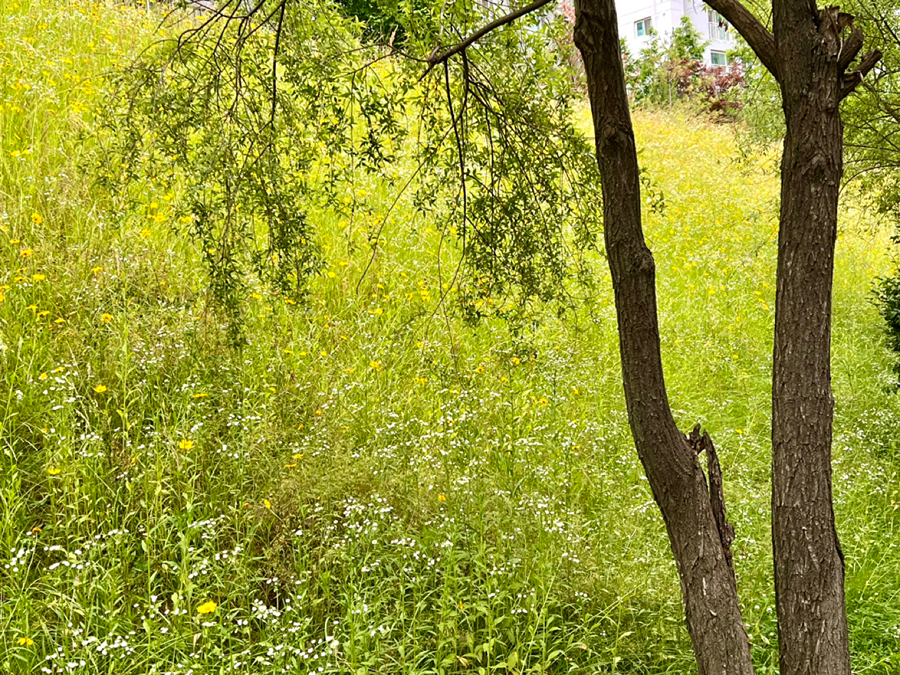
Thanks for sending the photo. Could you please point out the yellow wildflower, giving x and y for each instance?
(37, 218)
(267, 503)
(106, 318)
(54, 471)
(26, 641)
(27, 252)
(207, 607)
(100, 388)
(442, 498)
(186, 444)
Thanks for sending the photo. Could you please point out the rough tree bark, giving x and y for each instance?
(808, 55)
(679, 486)
(809, 565)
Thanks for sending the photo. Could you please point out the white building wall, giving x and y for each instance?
(665, 15)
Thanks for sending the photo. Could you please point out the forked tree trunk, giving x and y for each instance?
(809, 565)
(809, 55)
(670, 462)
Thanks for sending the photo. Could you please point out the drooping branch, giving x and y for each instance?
(481, 32)
(761, 41)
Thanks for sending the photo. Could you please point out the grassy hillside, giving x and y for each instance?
(370, 485)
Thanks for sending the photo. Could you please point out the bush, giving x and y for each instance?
(887, 298)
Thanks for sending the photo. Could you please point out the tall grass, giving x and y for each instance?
(368, 485)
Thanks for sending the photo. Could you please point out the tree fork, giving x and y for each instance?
(673, 470)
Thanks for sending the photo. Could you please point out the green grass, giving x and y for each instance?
(366, 486)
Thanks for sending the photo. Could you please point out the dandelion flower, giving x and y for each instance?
(26, 641)
(207, 607)
(100, 388)
(186, 444)
(106, 318)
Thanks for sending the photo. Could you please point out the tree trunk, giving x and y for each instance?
(671, 464)
(809, 565)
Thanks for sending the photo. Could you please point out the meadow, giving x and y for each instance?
(370, 484)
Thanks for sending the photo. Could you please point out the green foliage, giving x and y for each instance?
(887, 296)
(686, 43)
(381, 19)
(761, 98)
(259, 119)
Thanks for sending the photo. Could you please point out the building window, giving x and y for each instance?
(718, 58)
(642, 27)
(719, 28)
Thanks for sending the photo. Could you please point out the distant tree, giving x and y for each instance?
(671, 67)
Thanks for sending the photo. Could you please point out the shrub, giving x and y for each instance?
(887, 298)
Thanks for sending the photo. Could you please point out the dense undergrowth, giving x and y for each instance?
(369, 484)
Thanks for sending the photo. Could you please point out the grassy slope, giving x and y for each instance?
(365, 488)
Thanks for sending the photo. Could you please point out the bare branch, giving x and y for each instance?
(850, 48)
(700, 442)
(851, 80)
(480, 33)
(761, 41)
